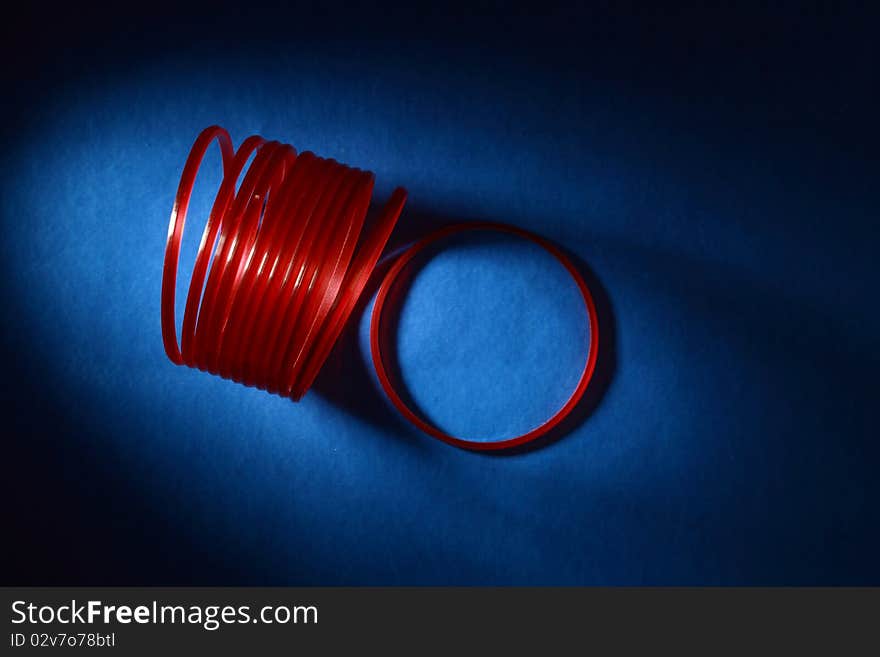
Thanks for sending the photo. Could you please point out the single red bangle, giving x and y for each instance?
(385, 380)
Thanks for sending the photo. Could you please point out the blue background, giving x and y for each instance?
(713, 172)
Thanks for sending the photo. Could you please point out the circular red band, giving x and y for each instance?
(394, 396)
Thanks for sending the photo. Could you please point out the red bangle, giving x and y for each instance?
(394, 396)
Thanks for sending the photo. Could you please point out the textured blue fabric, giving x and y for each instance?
(714, 176)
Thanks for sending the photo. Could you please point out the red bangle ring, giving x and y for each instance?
(395, 397)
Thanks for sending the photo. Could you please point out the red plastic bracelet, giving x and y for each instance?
(394, 396)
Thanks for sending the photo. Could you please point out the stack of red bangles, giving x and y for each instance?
(282, 263)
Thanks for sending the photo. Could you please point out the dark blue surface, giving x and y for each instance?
(714, 173)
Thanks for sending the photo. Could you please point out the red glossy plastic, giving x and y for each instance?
(395, 397)
(282, 263)
(285, 272)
